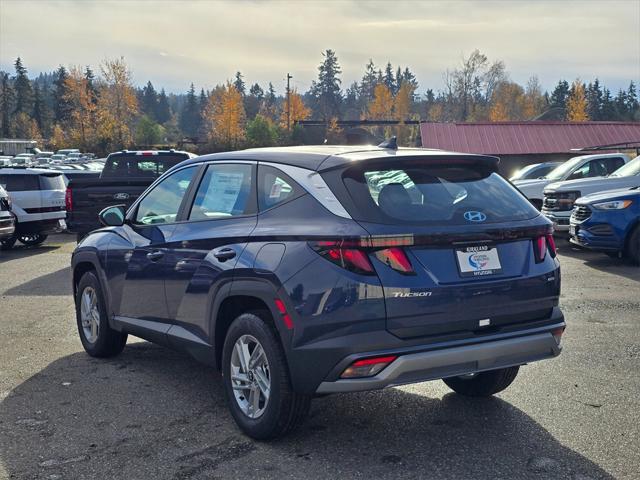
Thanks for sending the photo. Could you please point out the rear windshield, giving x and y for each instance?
(52, 182)
(434, 195)
(140, 166)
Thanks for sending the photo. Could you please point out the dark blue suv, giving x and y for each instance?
(305, 271)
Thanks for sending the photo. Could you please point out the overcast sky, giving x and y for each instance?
(173, 43)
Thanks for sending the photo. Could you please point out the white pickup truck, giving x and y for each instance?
(584, 166)
(559, 197)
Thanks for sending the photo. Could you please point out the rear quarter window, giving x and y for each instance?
(418, 194)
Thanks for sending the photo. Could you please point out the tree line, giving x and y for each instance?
(74, 107)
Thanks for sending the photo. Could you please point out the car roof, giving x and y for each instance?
(600, 155)
(26, 171)
(325, 157)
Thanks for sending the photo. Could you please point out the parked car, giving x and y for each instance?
(303, 271)
(124, 177)
(37, 201)
(57, 159)
(6, 161)
(24, 159)
(74, 157)
(584, 166)
(7, 220)
(609, 222)
(67, 151)
(43, 155)
(559, 197)
(534, 171)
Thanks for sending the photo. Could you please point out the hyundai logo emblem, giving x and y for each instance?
(472, 216)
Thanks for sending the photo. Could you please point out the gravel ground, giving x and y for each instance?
(155, 413)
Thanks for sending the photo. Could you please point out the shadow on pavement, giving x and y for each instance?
(154, 413)
(54, 283)
(601, 261)
(20, 251)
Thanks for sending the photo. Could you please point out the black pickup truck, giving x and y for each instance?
(125, 176)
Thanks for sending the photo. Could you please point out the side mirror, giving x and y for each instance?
(112, 216)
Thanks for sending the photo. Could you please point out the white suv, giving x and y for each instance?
(37, 202)
(584, 166)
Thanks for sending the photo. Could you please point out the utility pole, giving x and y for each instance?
(289, 77)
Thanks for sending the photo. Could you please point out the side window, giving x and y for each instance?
(225, 191)
(581, 172)
(161, 204)
(19, 183)
(613, 164)
(275, 187)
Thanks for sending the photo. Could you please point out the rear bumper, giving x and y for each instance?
(41, 226)
(449, 362)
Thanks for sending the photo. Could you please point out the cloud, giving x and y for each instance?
(206, 42)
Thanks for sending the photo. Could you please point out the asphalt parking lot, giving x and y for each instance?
(154, 413)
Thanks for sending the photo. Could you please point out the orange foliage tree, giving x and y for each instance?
(298, 111)
(577, 103)
(225, 117)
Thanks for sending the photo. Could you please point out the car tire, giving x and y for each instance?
(633, 246)
(283, 409)
(97, 337)
(483, 384)
(8, 243)
(32, 239)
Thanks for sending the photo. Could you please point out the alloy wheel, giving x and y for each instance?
(250, 376)
(89, 314)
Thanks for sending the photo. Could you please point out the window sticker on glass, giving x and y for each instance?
(276, 190)
(223, 192)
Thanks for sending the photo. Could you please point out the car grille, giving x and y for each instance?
(4, 205)
(581, 213)
(550, 202)
(559, 202)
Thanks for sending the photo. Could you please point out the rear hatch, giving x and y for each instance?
(457, 249)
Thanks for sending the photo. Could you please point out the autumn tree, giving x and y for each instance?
(333, 134)
(297, 111)
(508, 103)
(402, 110)
(117, 105)
(225, 117)
(381, 107)
(534, 100)
(82, 126)
(577, 103)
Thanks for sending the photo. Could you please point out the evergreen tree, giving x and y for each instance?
(62, 108)
(239, 84)
(190, 115)
(368, 82)
(253, 100)
(22, 88)
(560, 94)
(388, 78)
(327, 88)
(256, 91)
(608, 109)
(632, 101)
(594, 100)
(410, 78)
(6, 105)
(163, 112)
(352, 106)
(620, 103)
(38, 108)
(92, 89)
(399, 78)
(149, 101)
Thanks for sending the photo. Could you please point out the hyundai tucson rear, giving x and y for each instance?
(318, 270)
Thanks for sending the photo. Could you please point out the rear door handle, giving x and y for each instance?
(224, 254)
(155, 255)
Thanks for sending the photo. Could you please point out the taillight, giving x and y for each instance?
(367, 367)
(352, 259)
(557, 334)
(552, 245)
(540, 246)
(68, 200)
(353, 254)
(395, 258)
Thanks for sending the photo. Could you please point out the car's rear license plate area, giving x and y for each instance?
(478, 261)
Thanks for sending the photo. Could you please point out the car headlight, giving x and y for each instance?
(614, 205)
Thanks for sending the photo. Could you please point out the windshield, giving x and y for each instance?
(410, 193)
(522, 173)
(631, 168)
(561, 171)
